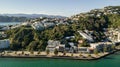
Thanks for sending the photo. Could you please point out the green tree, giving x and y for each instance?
(47, 51)
(113, 46)
(105, 49)
(32, 46)
(96, 51)
(56, 52)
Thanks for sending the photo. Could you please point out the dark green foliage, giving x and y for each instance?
(47, 51)
(29, 39)
(56, 52)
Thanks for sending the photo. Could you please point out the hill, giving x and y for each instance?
(27, 38)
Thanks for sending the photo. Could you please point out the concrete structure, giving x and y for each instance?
(113, 35)
(83, 49)
(26, 24)
(61, 48)
(73, 47)
(98, 46)
(4, 44)
(48, 24)
(86, 36)
(38, 26)
(52, 45)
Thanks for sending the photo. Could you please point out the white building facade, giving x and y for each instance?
(4, 44)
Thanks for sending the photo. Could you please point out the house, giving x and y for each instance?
(4, 44)
(38, 26)
(83, 50)
(61, 48)
(15, 26)
(69, 37)
(48, 24)
(3, 35)
(52, 45)
(26, 24)
(73, 47)
(99, 46)
(114, 35)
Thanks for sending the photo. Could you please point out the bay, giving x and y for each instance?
(109, 61)
(8, 23)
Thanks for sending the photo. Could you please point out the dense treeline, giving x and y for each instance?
(114, 20)
(12, 19)
(29, 39)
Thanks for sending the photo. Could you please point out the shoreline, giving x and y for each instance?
(59, 57)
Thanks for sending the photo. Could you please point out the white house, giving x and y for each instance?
(4, 43)
(52, 45)
(114, 35)
(26, 24)
(48, 24)
(97, 46)
(83, 49)
(38, 26)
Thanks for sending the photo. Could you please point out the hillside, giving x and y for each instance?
(99, 18)
(27, 38)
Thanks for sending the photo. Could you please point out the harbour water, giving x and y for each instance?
(109, 61)
(9, 23)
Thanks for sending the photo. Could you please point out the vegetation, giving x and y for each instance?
(32, 52)
(105, 49)
(47, 51)
(26, 38)
(39, 52)
(96, 51)
(56, 52)
(72, 54)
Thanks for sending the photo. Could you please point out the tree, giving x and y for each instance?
(32, 52)
(89, 55)
(96, 51)
(56, 52)
(80, 54)
(113, 47)
(22, 52)
(105, 48)
(39, 52)
(47, 51)
(32, 46)
(15, 52)
(64, 53)
(72, 54)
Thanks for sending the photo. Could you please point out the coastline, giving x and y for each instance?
(59, 57)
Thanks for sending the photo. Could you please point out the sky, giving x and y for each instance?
(53, 7)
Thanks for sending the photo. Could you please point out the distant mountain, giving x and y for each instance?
(32, 15)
